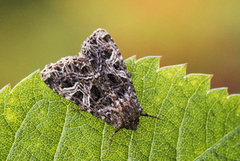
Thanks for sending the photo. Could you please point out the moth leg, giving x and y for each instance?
(81, 109)
(131, 70)
(116, 130)
(145, 114)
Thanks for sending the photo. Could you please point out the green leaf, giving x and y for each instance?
(200, 124)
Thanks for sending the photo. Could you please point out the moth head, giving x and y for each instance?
(132, 124)
(131, 116)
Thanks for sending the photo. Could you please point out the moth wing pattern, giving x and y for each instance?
(97, 81)
(66, 77)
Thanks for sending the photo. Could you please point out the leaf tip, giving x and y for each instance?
(210, 76)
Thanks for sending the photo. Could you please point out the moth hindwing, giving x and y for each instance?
(97, 81)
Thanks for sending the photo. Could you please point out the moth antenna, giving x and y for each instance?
(145, 114)
(116, 130)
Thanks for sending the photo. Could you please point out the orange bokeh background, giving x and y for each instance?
(204, 34)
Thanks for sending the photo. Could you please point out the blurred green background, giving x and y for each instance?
(205, 34)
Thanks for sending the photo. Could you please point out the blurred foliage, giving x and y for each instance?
(203, 33)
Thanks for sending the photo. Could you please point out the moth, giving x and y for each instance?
(97, 81)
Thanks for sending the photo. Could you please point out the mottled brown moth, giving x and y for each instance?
(97, 81)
